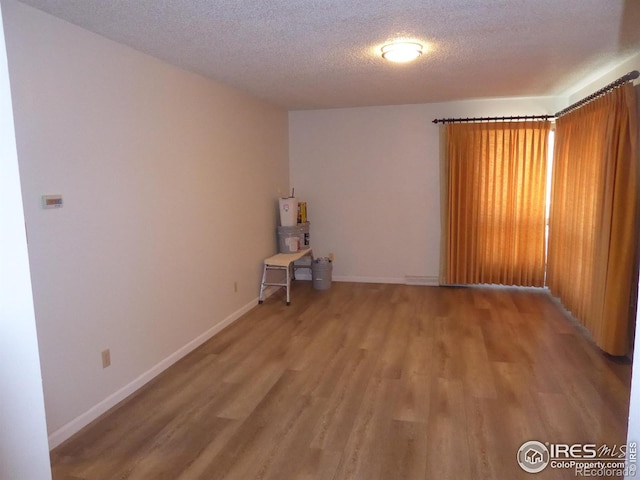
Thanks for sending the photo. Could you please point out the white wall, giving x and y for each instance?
(602, 79)
(170, 183)
(23, 436)
(633, 427)
(371, 179)
(633, 431)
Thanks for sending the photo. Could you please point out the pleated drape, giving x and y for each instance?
(592, 224)
(494, 177)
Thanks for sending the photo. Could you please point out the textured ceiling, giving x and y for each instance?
(304, 54)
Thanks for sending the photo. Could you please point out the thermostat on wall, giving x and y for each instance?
(51, 201)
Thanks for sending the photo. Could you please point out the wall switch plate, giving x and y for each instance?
(51, 201)
(106, 358)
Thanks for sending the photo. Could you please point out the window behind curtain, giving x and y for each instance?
(592, 226)
(494, 179)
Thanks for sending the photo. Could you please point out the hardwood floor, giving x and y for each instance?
(365, 382)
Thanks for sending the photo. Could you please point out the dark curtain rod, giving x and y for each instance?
(615, 84)
(493, 119)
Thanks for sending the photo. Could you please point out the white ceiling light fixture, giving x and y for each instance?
(401, 52)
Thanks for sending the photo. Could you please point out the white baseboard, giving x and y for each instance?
(420, 280)
(75, 425)
(351, 278)
(407, 280)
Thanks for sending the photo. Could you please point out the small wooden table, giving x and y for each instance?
(283, 261)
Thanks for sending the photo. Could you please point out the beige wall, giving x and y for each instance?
(371, 179)
(170, 183)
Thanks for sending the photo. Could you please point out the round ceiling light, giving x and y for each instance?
(401, 52)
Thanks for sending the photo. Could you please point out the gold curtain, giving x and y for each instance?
(592, 230)
(493, 184)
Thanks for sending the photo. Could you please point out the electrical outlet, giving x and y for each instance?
(106, 358)
(235, 287)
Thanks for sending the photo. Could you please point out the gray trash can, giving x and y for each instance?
(321, 269)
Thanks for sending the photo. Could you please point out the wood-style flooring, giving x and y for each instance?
(365, 382)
